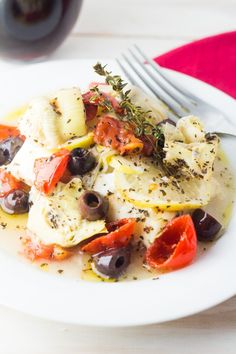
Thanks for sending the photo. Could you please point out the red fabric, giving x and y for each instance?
(212, 59)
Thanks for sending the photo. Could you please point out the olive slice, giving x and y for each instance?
(93, 206)
(16, 202)
(206, 226)
(81, 161)
(9, 148)
(113, 262)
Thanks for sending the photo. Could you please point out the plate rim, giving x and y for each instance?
(5, 298)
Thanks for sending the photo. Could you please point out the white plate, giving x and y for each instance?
(205, 283)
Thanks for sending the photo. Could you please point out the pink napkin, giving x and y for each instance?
(212, 59)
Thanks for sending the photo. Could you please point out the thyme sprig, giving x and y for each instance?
(133, 114)
(115, 81)
(105, 103)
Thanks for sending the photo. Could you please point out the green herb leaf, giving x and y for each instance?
(139, 119)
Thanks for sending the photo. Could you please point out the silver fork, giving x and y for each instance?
(150, 77)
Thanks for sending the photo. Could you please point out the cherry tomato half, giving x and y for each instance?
(48, 171)
(35, 250)
(9, 183)
(176, 247)
(7, 131)
(120, 233)
(113, 133)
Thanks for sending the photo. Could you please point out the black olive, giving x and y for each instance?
(93, 206)
(206, 226)
(81, 161)
(8, 149)
(113, 262)
(161, 141)
(16, 202)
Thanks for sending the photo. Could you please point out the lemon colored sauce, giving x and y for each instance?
(15, 114)
(13, 229)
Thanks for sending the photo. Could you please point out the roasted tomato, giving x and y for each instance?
(49, 171)
(7, 131)
(148, 144)
(113, 133)
(34, 250)
(90, 111)
(119, 235)
(176, 247)
(92, 103)
(9, 183)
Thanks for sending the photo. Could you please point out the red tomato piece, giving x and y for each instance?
(115, 104)
(120, 233)
(8, 183)
(148, 144)
(7, 131)
(176, 247)
(87, 98)
(49, 171)
(90, 110)
(35, 250)
(99, 101)
(113, 133)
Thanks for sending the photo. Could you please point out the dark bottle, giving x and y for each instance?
(30, 29)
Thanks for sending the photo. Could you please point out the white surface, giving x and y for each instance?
(106, 35)
(180, 293)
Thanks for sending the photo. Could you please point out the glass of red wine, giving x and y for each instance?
(32, 29)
